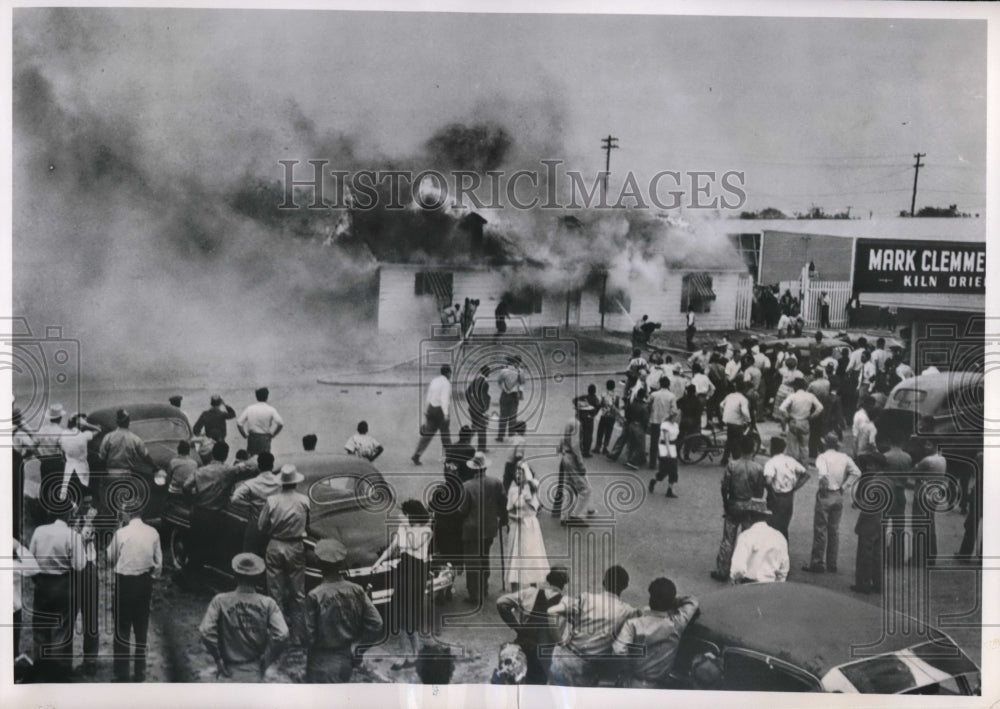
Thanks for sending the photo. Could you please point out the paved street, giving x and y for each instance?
(649, 535)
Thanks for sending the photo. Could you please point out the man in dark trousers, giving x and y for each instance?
(874, 504)
(742, 481)
(436, 415)
(477, 396)
(137, 558)
(284, 520)
(213, 419)
(339, 614)
(510, 380)
(484, 512)
(59, 551)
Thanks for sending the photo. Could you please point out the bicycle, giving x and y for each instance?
(697, 446)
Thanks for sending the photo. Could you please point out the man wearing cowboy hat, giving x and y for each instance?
(837, 471)
(484, 511)
(339, 614)
(243, 630)
(284, 520)
(761, 552)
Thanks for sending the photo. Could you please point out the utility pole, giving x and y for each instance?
(916, 171)
(610, 143)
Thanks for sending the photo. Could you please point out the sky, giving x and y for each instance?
(137, 133)
(825, 112)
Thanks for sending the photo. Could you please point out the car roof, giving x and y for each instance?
(783, 620)
(938, 386)
(315, 466)
(106, 417)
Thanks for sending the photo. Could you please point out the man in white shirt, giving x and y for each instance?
(783, 476)
(662, 407)
(259, 423)
(837, 472)
(74, 446)
(436, 416)
(510, 381)
(138, 559)
(761, 552)
(736, 416)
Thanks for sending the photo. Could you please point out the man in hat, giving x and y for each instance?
(123, 453)
(59, 551)
(783, 475)
(137, 558)
(212, 420)
(284, 520)
(484, 512)
(510, 380)
(525, 611)
(594, 621)
(837, 473)
(742, 481)
(47, 439)
(339, 614)
(259, 423)
(242, 630)
(761, 551)
(249, 495)
(436, 415)
(650, 640)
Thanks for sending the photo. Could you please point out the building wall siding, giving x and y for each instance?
(783, 254)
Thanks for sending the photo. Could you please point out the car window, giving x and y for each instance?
(909, 397)
(755, 672)
(886, 674)
(160, 430)
(335, 488)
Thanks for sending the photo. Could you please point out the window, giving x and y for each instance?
(748, 245)
(336, 488)
(697, 293)
(616, 301)
(753, 672)
(524, 301)
(150, 430)
(436, 283)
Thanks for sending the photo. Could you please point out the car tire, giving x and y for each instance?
(177, 541)
(695, 448)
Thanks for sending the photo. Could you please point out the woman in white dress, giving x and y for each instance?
(527, 563)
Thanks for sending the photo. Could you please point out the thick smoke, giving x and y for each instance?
(148, 227)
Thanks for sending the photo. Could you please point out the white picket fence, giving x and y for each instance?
(744, 301)
(839, 293)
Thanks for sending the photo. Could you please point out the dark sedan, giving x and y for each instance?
(791, 637)
(349, 501)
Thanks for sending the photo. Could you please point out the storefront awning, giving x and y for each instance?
(952, 302)
(700, 285)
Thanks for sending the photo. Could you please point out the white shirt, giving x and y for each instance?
(414, 540)
(57, 548)
(854, 361)
(24, 565)
(904, 371)
(260, 417)
(702, 384)
(878, 357)
(761, 554)
(668, 435)
(860, 419)
(74, 446)
(735, 409)
(135, 549)
(439, 393)
(836, 469)
(782, 472)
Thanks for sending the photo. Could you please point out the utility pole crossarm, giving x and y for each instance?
(916, 172)
(610, 143)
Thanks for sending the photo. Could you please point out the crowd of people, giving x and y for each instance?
(581, 639)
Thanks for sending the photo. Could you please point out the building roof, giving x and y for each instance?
(966, 229)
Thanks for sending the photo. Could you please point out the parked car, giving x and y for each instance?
(947, 407)
(161, 427)
(799, 346)
(349, 500)
(792, 637)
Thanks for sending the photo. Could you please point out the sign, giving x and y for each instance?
(899, 266)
